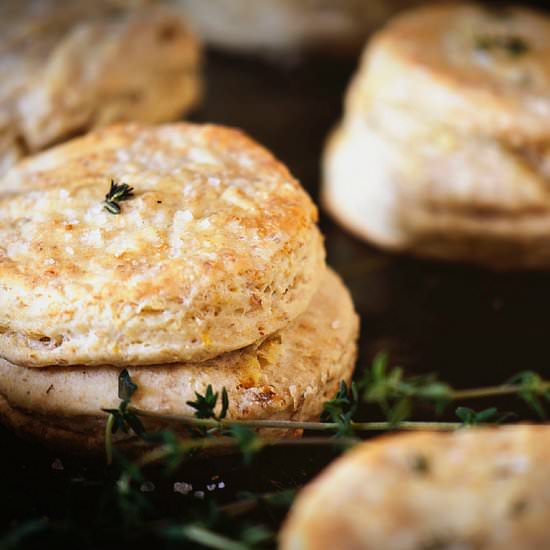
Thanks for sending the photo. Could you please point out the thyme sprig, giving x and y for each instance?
(341, 409)
(395, 392)
(470, 417)
(296, 425)
(389, 388)
(123, 418)
(118, 192)
(210, 428)
(131, 513)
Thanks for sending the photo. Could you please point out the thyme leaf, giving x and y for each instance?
(122, 419)
(395, 393)
(420, 464)
(512, 45)
(533, 390)
(472, 418)
(248, 440)
(341, 409)
(117, 193)
(205, 405)
(126, 386)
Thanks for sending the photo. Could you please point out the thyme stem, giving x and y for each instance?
(292, 425)
(491, 391)
(109, 438)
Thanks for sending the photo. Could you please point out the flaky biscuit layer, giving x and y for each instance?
(287, 376)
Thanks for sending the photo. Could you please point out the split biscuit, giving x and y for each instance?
(287, 376)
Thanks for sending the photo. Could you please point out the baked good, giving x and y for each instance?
(69, 66)
(275, 25)
(216, 249)
(443, 150)
(486, 488)
(288, 375)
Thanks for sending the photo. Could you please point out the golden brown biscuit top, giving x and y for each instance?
(482, 488)
(209, 236)
(475, 67)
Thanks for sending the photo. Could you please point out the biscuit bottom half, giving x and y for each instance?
(287, 376)
(481, 488)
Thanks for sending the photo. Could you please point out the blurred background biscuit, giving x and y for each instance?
(70, 66)
(444, 147)
(478, 488)
(288, 25)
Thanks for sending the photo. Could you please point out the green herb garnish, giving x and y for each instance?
(491, 415)
(341, 409)
(122, 418)
(420, 465)
(512, 45)
(117, 193)
(205, 404)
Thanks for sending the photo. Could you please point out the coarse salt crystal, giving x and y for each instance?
(183, 216)
(147, 487)
(182, 488)
(204, 224)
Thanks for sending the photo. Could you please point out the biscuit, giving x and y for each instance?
(70, 66)
(442, 153)
(217, 249)
(472, 203)
(479, 70)
(478, 488)
(274, 25)
(289, 375)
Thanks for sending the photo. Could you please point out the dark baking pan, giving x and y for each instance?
(472, 327)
